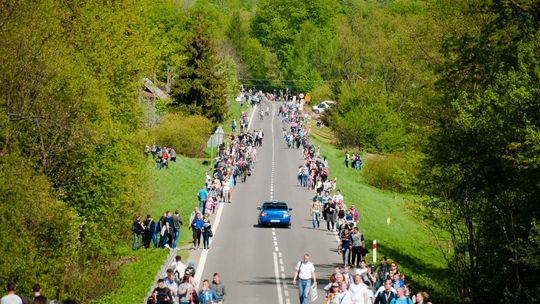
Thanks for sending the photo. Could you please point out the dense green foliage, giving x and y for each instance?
(482, 165)
(446, 88)
(71, 160)
(69, 110)
(188, 134)
(200, 85)
(453, 82)
(139, 268)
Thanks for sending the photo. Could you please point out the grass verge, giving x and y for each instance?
(173, 188)
(386, 217)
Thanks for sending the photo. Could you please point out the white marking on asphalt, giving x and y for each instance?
(251, 118)
(278, 283)
(282, 267)
(204, 253)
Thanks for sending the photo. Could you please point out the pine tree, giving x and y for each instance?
(200, 87)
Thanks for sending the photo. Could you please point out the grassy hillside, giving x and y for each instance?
(172, 188)
(405, 239)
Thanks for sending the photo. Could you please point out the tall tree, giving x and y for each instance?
(482, 162)
(200, 87)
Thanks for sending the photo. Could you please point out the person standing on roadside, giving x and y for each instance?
(218, 288)
(197, 226)
(207, 295)
(202, 195)
(316, 210)
(357, 247)
(359, 291)
(147, 233)
(137, 228)
(305, 273)
(206, 231)
(11, 297)
(177, 224)
(329, 213)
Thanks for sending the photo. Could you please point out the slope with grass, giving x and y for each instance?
(386, 217)
(173, 188)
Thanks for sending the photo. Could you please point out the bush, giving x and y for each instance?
(394, 172)
(367, 120)
(187, 134)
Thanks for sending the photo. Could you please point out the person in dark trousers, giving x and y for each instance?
(147, 234)
(137, 228)
(177, 224)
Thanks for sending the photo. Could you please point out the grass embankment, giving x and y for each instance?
(403, 238)
(173, 188)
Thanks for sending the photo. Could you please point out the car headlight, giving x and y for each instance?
(263, 213)
(286, 214)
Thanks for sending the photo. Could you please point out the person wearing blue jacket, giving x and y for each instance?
(197, 226)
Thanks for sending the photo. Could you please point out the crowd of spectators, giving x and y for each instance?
(234, 164)
(160, 155)
(355, 281)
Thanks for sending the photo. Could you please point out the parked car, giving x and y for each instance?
(323, 106)
(274, 213)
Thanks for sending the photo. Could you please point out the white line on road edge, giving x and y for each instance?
(278, 283)
(204, 254)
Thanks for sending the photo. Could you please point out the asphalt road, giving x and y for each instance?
(257, 264)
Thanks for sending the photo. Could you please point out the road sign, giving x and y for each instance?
(212, 141)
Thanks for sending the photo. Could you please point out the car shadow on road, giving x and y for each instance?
(269, 226)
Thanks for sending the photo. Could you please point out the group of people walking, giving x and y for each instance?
(164, 232)
(234, 164)
(355, 282)
(179, 287)
(160, 155)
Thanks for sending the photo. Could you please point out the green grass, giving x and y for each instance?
(173, 188)
(405, 240)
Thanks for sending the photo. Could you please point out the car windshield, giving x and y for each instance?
(275, 206)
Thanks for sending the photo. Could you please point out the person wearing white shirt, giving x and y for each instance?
(337, 198)
(344, 295)
(359, 291)
(11, 297)
(305, 272)
(179, 267)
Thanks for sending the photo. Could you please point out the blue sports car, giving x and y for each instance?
(275, 213)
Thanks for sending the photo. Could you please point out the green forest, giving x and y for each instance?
(441, 96)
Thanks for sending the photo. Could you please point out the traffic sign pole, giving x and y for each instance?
(374, 252)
